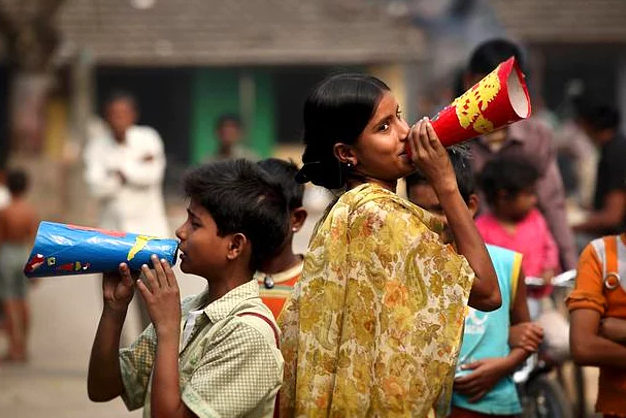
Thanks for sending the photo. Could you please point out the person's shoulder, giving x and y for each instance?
(536, 136)
(254, 323)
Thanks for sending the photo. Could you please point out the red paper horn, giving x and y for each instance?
(499, 99)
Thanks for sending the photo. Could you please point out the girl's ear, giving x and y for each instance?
(345, 154)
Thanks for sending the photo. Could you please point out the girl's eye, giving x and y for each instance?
(399, 114)
(384, 127)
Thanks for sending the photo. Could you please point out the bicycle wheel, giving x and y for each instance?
(545, 399)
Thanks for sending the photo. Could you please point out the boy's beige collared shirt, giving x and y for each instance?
(230, 365)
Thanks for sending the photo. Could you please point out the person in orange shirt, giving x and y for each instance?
(598, 319)
(279, 274)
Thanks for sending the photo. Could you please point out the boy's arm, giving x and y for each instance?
(614, 329)
(163, 303)
(589, 348)
(104, 381)
(523, 333)
(587, 305)
(150, 168)
(488, 372)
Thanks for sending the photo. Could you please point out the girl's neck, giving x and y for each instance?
(285, 260)
(355, 181)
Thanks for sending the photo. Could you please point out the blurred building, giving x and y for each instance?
(188, 61)
(575, 47)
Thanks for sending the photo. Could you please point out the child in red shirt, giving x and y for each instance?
(515, 223)
(279, 274)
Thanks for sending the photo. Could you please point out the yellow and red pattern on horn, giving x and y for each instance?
(499, 99)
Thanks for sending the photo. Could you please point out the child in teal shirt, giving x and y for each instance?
(494, 343)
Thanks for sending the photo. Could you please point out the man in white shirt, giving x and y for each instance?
(124, 170)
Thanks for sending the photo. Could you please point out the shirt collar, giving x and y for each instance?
(221, 308)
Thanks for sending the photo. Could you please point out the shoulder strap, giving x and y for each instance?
(267, 321)
(273, 327)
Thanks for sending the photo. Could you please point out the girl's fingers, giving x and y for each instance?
(432, 135)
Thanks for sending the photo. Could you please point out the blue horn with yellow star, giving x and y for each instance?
(63, 249)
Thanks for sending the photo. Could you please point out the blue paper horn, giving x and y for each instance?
(62, 250)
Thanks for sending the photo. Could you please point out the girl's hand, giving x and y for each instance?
(430, 156)
(117, 289)
(162, 298)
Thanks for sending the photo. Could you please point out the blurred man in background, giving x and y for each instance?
(609, 204)
(229, 131)
(528, 138)
(125, 167)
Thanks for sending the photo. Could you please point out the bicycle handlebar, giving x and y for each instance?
(565, 279)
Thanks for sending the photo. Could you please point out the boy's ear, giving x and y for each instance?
(345, 154)
(297, 218)
(237, 245)
(473, 204)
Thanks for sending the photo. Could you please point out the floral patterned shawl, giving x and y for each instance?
(374, 327)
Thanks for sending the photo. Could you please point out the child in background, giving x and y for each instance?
(220, 355)
(494, 343)
(508, 184)
(598, 319)
(18, 227)
(280, 273)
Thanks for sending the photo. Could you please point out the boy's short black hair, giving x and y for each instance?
(17, 181)
(486, 57)
(460, 159)
(602, 117)
(509, 174)
(228, 118)
(241, 198)
(284, 173)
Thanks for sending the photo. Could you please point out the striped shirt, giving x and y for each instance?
(276, 288)
(229, 364)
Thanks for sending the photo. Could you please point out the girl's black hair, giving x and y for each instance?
(336, 111)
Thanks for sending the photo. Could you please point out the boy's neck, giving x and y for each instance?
(221, 286)
(285, 260)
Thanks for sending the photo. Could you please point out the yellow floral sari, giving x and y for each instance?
(374, 326)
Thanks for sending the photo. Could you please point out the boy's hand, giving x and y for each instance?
(527, 336)
(162, 297)
(486, 373)
(430, 157)
(117, 289)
